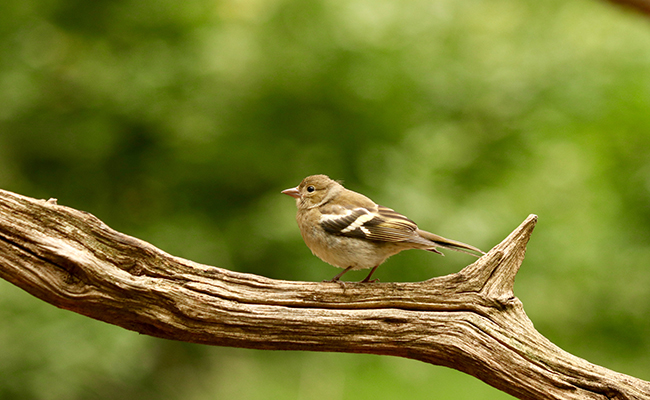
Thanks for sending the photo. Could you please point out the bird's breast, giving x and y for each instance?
(343, 252)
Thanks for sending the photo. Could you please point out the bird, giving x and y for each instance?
(348, 230)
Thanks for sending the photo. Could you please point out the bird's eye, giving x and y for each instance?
(310, 189)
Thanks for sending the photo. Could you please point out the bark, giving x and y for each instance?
(470, 321)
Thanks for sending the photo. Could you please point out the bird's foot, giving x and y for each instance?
(369, 280)
(337, 277)
(335, 280)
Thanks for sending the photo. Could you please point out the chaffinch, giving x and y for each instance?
(348, 230)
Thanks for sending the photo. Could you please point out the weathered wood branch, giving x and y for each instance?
(469, 321)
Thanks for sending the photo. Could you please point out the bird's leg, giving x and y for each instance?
(337, 277)
(367, 278)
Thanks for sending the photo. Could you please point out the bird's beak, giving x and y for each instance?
(293, 192)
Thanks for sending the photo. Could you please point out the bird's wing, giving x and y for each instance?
(379, 224)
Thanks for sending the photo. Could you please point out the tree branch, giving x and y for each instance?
(642, 6)
(469, 321)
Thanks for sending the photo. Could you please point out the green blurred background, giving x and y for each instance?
(180, 122)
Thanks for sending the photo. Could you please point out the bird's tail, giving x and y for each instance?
(450, 244)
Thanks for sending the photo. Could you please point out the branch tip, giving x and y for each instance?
(502, 281)
(494, 273)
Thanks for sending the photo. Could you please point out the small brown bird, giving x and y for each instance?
(348, 230)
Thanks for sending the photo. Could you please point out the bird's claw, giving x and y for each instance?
(369, 280)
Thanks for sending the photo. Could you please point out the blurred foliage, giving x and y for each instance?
(180, 122)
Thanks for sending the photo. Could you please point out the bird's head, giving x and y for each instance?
(313, 191)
